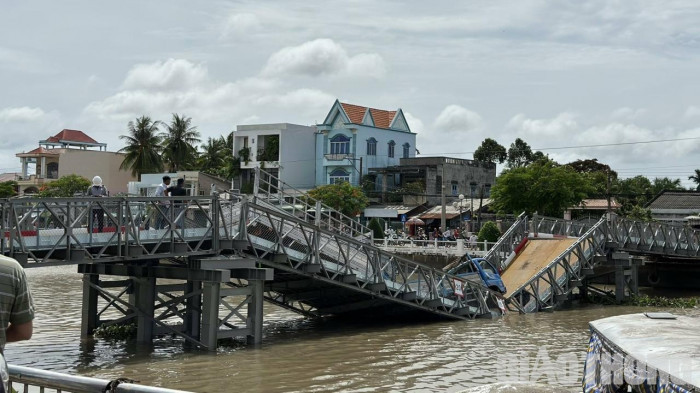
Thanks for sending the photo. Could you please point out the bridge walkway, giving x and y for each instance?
(544, 260)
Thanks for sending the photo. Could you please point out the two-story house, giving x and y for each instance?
(285, 150)
(354, 138)
(71, 152)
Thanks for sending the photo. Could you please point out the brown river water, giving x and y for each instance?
(518, 353)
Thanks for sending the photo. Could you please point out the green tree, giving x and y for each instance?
(179, 143)
(341, 196)
(490, 151)
(664, 183)
(64, 187)
(8, 189)
(377, 227)
(212, 158)
(543, 187)
(639, 213)
(696, 179)
(489, 232)
(143, 150)
(519, 154)
(634, 191)
(597, 174)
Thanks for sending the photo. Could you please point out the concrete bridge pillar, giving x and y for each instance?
(89, 311)
(144, 296)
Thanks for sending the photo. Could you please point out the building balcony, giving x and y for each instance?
(337, 157)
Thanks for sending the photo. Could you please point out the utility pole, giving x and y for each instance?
(607, 192)
(443, 223)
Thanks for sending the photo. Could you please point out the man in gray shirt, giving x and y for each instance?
(16, 306)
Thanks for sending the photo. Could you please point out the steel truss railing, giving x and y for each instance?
(655, 237)
(68, 230)
(291, 244)
(28, 379)
(275, 192)
(555, 282)
(501, 253)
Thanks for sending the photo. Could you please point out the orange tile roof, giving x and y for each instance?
(39, 151)
(382, 118)
(71, 136)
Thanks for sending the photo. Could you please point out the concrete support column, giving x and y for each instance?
(619, 283)
(193, 312)
(89, 311)
(144, 301)
(211, 296)
(43, 167)
(254, 320)
(24, 167)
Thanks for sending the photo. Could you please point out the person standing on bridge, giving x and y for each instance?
(97, 190)
(163, 205)
(16, 306)
(177, 191)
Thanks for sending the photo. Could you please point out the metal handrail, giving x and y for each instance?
(272, 232)
(507, 243)
(595, 235)
(23, 378)
(274, 190)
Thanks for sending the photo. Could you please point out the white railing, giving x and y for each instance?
(434, 247)
(28, 379)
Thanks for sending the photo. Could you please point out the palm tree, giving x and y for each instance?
(179, 143)
(211, 160)
(696, 179)
(142, 147)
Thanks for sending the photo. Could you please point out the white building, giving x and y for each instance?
(285, 150)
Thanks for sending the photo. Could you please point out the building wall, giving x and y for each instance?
(90, 163)
(359, 135)
(296, 163)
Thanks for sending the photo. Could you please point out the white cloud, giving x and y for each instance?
(455, 132)
(240, 25)
(691, 112)
(21, 114)
(27, 125)
(414, 123)
(561, 125)
(323, 56)
(168, 75)
(455, 118)
(628, 114)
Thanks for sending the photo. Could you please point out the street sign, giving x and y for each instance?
(403, 218)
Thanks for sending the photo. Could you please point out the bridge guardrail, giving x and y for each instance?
(560, 276)
(39, 230)
(271, 234)
(506, 244)
(273, 191)
(28, 379)
(655, 237)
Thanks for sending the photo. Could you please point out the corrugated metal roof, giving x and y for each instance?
(676, 200)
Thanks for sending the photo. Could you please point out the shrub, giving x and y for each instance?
(377, 227)
(489, 232)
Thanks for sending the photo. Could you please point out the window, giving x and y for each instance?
(340, 144)
(454, 189)
(406, 150)
(391, 149)
(371, 147)
(339, 175)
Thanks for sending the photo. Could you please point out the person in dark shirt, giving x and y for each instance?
(177, 191)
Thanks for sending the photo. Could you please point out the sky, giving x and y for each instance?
(577, 79)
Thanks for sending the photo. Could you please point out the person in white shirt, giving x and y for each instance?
(160, 192)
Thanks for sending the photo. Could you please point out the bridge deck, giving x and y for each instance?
(535, 256)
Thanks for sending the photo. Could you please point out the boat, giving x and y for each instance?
(646, 353)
